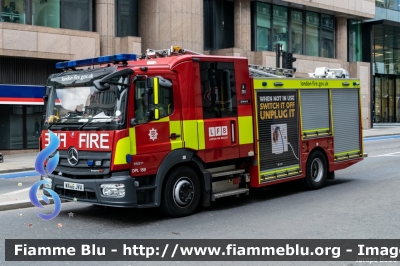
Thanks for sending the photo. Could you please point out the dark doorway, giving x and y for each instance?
(219, 27)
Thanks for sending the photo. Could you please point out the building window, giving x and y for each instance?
(263, 25)
(46, 13)
(354, 39)
(298, 31)
(219, 30)
(126, 16)
(279, 27)
(67, 14)
(12, 11)
(327, 36)
(312, 33)
(389, 4)
(82, 13)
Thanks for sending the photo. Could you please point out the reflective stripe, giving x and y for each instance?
(306, 84)
(202, 137)
(347, 152)
(193, 135)
(132, 134)
(164, 119)
(123, 148)
(175, 127)
(300, 115)
(155, 91)
(331, 110)
(316, 130)
(245, 126)
(193, 131)
(190, 133)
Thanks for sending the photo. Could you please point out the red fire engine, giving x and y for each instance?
(178, 130)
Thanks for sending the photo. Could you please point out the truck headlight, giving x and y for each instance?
(113, 190)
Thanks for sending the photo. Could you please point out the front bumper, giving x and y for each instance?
(92, 191)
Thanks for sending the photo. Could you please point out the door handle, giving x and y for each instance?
(233, 138)
(174, 136)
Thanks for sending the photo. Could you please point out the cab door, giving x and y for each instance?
(220, 113)
(158, 129)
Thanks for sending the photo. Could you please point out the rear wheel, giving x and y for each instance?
(317, 170)
(181, 192)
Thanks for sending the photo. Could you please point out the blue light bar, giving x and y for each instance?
(96, 61)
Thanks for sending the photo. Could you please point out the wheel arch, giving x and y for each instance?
(323, 151)
(177, 158)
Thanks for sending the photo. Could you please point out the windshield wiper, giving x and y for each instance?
(84, 124)
(50, 125)
(91, 119)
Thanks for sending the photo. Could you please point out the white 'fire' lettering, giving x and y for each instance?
(94, 138)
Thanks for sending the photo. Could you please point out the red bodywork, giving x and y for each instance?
(183, 72)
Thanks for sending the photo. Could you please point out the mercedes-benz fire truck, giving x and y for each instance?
(176, 129)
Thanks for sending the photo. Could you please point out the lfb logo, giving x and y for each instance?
(218, 131)
(51, 164)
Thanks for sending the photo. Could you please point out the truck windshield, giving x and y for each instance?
(85, 104)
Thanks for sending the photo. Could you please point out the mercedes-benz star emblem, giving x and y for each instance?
(72, 156)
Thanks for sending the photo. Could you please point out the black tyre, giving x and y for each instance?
(181, 192)
(317, 170)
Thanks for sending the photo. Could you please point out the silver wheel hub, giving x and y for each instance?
(183, 192)
(317, 170)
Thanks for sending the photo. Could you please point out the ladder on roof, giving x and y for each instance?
(255, 70)
(174, 50)
(262, 71)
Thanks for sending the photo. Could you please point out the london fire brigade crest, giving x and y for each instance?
(153, 134)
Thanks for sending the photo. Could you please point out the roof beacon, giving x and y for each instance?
(114, 59)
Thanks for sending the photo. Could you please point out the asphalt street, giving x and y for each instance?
(11, 185)
(361, 203)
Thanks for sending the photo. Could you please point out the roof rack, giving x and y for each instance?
(255, 70)
(173, 51)
(262, 71)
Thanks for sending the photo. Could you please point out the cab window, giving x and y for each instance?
(142, 105)
(218, 89)
(165, 101)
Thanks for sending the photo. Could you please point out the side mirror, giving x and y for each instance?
(100, 85)
(164, 82)
(104, 83)
(133, 122)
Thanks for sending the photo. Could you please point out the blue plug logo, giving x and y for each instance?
(50, 166)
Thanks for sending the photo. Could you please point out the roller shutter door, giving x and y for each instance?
(346, 123)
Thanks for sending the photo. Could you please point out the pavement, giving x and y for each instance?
(22, 164)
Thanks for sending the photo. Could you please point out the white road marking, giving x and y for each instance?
(388, 154)
(17, 191)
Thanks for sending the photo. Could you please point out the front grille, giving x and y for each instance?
(82, 170)
(87, 194)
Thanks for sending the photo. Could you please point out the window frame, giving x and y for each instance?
(218, 109)
(254, 33)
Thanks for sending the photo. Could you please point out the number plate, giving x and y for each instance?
(74, 186)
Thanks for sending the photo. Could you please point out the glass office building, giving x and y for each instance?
(384, 56)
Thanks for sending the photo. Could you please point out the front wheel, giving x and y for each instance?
(181, 192)
(317, 170)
